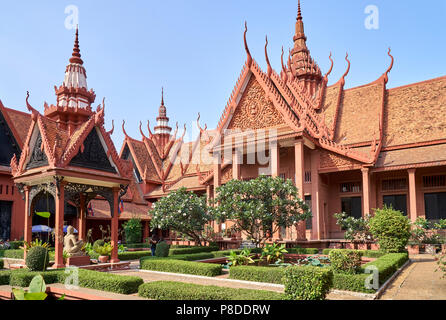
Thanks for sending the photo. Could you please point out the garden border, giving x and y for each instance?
(380, 291)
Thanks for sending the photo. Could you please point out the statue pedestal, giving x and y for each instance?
(78, 261)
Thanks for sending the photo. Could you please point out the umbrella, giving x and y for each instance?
(66, 227)
(41, 228)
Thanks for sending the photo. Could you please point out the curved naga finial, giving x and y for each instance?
(346, 72)
(140, 130)
(246, 45)
(30, 108)
(123, 129)
(284, 72)
(174, 136)
(386, 74)
(103, 103)
(198, 124)
(184, 133)
(150, 131)
(331, 68)
(270, 70)
(113, 128)
(290, 65)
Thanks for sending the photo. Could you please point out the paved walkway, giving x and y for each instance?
(418, 281)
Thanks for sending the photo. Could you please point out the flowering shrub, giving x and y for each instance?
(261, 206)
(183, 212)
(355, 229)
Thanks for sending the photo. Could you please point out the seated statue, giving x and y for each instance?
(72, 246)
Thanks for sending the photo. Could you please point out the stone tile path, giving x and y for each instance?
(418, 281)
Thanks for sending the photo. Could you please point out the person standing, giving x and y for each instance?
(154, 241)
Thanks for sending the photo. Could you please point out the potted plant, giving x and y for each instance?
(104, 252)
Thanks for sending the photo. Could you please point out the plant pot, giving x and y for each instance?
(443, 248)
(413, 249)
(374, 246)
(103, 259)
(362, 246)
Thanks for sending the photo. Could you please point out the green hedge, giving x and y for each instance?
(179, 266)
(87, 279)
(351, 282)
(4, 277)
(191, 250)
(1, 263)
(387, 265)
(365, 253)
(108, 282)
(167, 290)
(257, 274)
(307, 283)
(303, 250)
(137, 245)
(345, 261)
(12, 253)
(133, 255)
(15, 244)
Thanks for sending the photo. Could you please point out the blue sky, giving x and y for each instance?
(195, 49)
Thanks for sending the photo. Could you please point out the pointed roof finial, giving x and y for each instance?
(299, 11)
(162, 96)
(76, 55)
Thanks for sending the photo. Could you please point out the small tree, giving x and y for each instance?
(183, 212)
(356, 229)
(261, 206)
(391, 228)
(132, 229)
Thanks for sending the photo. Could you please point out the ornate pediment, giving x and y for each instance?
(255, 110)
(38, 157)
(92, 155)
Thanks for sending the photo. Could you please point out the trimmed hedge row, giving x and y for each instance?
(257, 274)
(1, 263)
(191, 250)
(15, 244)
(307, 282)
(179, 266)
(87, 279)
(12, 253)
(387, 265)
(303, 250)
(133, 255)
(365, 253)
(168, 290)
(137, 245)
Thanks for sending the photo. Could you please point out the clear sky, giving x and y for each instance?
(194, 48)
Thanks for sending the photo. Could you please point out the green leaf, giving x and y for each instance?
(35, 296)
(37, 284)
(19, 294)
(62, 297)
(44, 214)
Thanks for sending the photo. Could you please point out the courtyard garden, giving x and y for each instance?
(258, 209)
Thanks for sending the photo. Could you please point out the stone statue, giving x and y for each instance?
(71, 245)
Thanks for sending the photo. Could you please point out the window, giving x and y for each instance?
(350, 187)
(435, 205)
(309, 222)
(434, 181)
(394, 184)
(352, 206)
(397, 202)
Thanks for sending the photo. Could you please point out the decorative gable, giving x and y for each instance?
(38, 157)
(255, 110)
(93, 155)
(8, 144)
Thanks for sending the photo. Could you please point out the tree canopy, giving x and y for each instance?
(259, 207)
